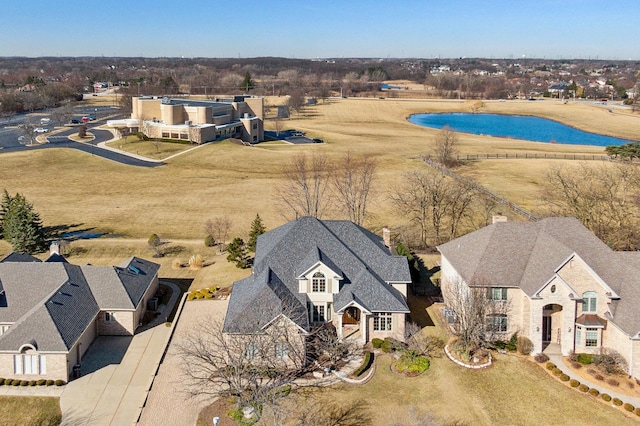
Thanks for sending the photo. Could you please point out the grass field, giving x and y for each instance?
(75, 189)
(26, 410)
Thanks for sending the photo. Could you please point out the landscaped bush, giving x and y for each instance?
(606, 397)
(390, 345)
(499, 344)
(584, 358)
(209, 241)
(32, 382)
(524, 345)
(376, 343)
(628, 407)
(594, 392)
(591, 372)
(1, 381)
(15, 382)
(573, 357)
(610, 361)
(583, 388)
(574, 383)
(59, 382)
(564, 377)
(617, 402)
(551, 366)
(366, 363)
(556, 371)
(541, 358)
(24, 383)
(50, 382)
(598, 377)
(637, 411)
(411, 362)
(613, 382)
(41, 382)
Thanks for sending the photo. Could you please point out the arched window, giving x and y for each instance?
(589, 302)
(318, 283)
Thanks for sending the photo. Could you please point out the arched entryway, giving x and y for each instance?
(351, 323)
(551, 325)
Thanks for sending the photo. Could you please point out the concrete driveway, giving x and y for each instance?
(169, 402)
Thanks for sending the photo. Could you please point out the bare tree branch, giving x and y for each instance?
(352, 181)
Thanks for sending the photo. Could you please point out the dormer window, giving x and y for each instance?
(589, 302)
(318, 283)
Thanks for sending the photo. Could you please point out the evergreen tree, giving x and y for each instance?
(247, 84)
(257, 229)
(238, 253)
(4, 208)
(22, 226)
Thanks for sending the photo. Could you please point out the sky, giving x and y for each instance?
(553, 29)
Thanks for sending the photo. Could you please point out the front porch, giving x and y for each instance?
(352, 325)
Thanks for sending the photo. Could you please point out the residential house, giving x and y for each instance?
(562, 284)
(310, 271)
(51, 311)
(197, 121)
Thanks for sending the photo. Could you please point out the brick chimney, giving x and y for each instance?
(54, 248)
(386, 236)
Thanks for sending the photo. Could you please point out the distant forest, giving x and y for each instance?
(28, 84)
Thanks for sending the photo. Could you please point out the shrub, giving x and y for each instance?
(524, 345)
(617, 402)
(591, 372)
(606, 397)
(610, 361)
(209, 241)
(196, 262)
(59, 382)
(613, 382)
(41, 382)
(32, 382)
(376, 343)
(576, 365)
(598, 377)
(584, 358)
(556, 371)
(541, 358)
(366, 363)
(583, 388)
(15, 382)
(50, 382)
(573, 357)
(390, 345)
(191, 296)
(564, 377)
(551, 366)
(499, 344)
(594, 392)
(412, 362)
(1, 381)
(628, 407)
(24, 383)
(574, 383)
(511, 347)
(637, 411)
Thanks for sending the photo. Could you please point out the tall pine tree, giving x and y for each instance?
(4, 208)
(257, 229)
(22, 226)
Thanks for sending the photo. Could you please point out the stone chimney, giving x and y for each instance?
(386, 236)
(54, 248)
(499, 218)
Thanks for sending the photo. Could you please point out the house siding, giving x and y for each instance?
(122, 323)
(397, 328)
(56, 367)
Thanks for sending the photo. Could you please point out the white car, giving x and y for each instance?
(40, 130)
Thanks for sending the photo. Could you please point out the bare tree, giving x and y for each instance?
(218, 228)
(352, 181)
(604, 198)
(445, 149)
(303, 192)
(27, 132)
(475, 316)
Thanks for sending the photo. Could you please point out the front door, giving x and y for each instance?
(546, 329)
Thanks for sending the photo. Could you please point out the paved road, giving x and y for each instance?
(9, 143)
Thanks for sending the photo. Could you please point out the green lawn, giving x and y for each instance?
(27, 410)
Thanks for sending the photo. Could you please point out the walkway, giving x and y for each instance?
(555, 356)
(115, 393)
(169, 402)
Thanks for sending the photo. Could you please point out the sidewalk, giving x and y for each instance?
(556, 358)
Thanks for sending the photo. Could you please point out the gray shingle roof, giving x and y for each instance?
(526, 255)
(53, 303)
(358, 255)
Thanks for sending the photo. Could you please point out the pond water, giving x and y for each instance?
(514, 126)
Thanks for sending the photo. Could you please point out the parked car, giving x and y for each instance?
(75, 121)
(40, 130)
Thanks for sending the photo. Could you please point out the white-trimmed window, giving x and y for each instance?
(497, 293)
(318, 313)
(579, 336)
(281, 350)
(109, 317)
(592, 338)
(251, 350)
(497, 323)
(382, 321)
(29, 364)
(589, 302)
(318, 283)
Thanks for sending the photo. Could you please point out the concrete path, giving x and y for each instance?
(115, 393)
(169, 402)
(556, 358)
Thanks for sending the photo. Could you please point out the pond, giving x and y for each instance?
(514, 126)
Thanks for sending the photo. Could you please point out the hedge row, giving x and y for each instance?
(366, 363)
(40, 382)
